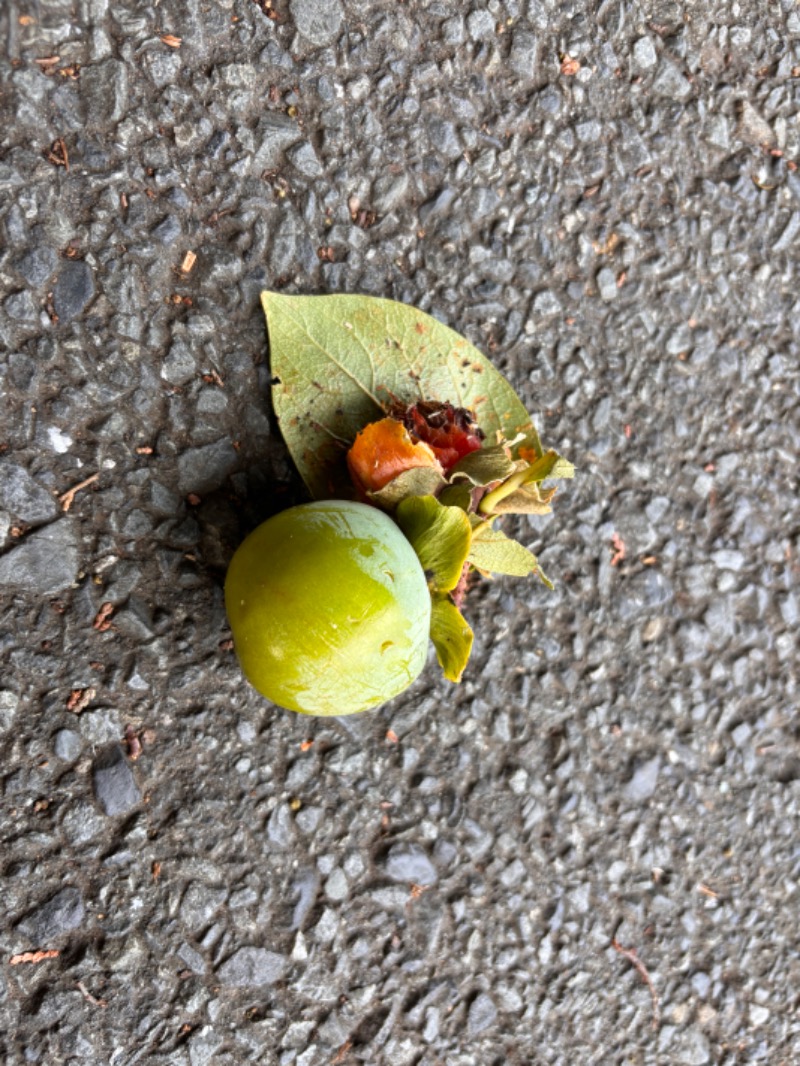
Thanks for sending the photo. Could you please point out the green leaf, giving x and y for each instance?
(451, 637)
(492, 552)
(484, 466)
(337, 360)
(439, 535)
(418, 481)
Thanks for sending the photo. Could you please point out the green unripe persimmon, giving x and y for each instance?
(329, 608)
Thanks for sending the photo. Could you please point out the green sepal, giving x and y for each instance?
(451, 636)
(456, 496)
(493, 552)
(484, 466)
(529, 499)
(418, 481)
(439, 535)
(519, 493)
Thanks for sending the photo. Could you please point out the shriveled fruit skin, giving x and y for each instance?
(329, 608)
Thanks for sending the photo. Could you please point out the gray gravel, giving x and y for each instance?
(605, 198)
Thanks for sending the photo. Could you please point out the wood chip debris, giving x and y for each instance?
(68, 498)
(188, 263)
(341, 1055)
(569, 66)
(618, 544)
(641, 969)
(102, 620)
(171, 40)
(33, 956)
(364, 218)
(79, 699)
(607, 246)
(57, 153)
(706, 891)
(87, 995)
(132, 742)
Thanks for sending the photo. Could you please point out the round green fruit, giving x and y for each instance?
(329, 608)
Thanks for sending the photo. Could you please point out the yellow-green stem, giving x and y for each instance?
(491, 499)
(486, 524)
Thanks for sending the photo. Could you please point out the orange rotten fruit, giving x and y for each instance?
(384, 449)
(451, 431)
(434, 435)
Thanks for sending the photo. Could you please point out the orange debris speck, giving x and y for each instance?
(569, 66)
(33, 956)
(618, 545)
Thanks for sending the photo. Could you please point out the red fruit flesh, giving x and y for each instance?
(450, 431)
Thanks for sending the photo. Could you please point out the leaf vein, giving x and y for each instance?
(328, 355)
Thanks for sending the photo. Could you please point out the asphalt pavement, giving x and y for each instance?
(587, 852)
